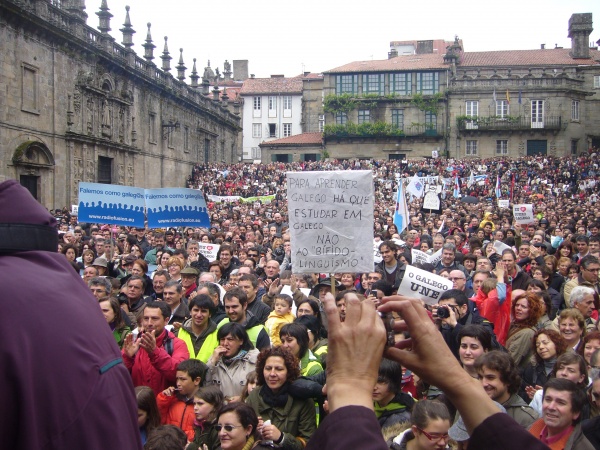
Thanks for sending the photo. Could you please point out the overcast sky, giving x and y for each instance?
(283, 37)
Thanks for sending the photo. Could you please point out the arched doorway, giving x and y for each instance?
(32, 159)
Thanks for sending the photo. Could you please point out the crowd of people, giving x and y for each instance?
(233, 352)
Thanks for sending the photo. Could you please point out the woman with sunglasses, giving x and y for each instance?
(428, 428)
(237, 426)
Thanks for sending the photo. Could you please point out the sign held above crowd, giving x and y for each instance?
(331, 219)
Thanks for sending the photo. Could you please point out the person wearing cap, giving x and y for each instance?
(189, 276)
(101, 266)
(560, 427)
(501, 381)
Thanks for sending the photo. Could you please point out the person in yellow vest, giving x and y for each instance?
(236, 308)
(199, 332)
(559, 427)
(294, 338)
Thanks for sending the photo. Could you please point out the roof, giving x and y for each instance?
(539, 57)
(298, 139)
(278, 85)
(435, 61)
(404, 62)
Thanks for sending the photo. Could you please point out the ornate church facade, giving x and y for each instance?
(78, 106)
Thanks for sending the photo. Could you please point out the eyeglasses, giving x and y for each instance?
(456, 279)
(434, 437)
(597, 269)
(228, 428)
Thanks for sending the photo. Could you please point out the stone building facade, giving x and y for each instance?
(78, 106)
(432, 96)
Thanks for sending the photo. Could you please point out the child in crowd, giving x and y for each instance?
(281, 314)
(251, 381)
(148, 415)
(207, 402)
(176, 403)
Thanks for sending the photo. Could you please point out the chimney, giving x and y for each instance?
(240, 69)
(277, 76)
(580, 28)
(392, 53)
(543, 46)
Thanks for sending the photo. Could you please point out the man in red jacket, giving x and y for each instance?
(153, 357)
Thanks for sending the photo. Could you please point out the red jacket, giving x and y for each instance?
(157, 370)
(174, 411)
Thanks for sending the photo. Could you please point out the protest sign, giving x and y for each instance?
(330, 216)
(421, 257)
(208, 250)
(523, 214)
(111, 203)
(503, 204)
(423, 285)
(176, 207)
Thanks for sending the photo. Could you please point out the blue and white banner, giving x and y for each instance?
(124, 205)
(111, 203)
(175, 207)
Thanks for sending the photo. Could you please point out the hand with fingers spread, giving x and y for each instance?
(356, 348)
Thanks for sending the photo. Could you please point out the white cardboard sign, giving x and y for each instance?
(523, 214)
(208, 250)
(503, 204)
(331, 220)
(423, 285)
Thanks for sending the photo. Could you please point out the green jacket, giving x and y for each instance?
(297, 419)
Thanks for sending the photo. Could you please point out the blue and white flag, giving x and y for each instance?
(401, 213)
(498, 191)
(456, 192)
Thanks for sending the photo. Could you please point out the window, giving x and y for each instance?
(341, 118)
(401, 84)
(206, 150)
(502, 147)
(152, 128)
(471, 148)
(287, 106)
(597, 81)
(398, 118)
(29, 89)
(255, 153)
(321, 123)
(256, 130)
(373, 84)
(287, 129)
(272, 106)
(186, 138)
(257, 106)
(272, 130)
(430, 121)
(574, 143)
(502, 108)
(537, 113)
(472, 108)
(346, 84)
(364, 116)
(428, 83)
(575, 110)
(104, 170)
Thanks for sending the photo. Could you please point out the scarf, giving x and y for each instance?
(240, 355)
(549, 365)
(276, 399)
(249, 443)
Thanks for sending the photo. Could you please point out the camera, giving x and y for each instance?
(443, 312)
(374, 292)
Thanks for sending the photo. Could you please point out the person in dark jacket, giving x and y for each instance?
(391, 405)
(91, 403)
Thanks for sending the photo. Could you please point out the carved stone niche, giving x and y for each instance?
(33, 153)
